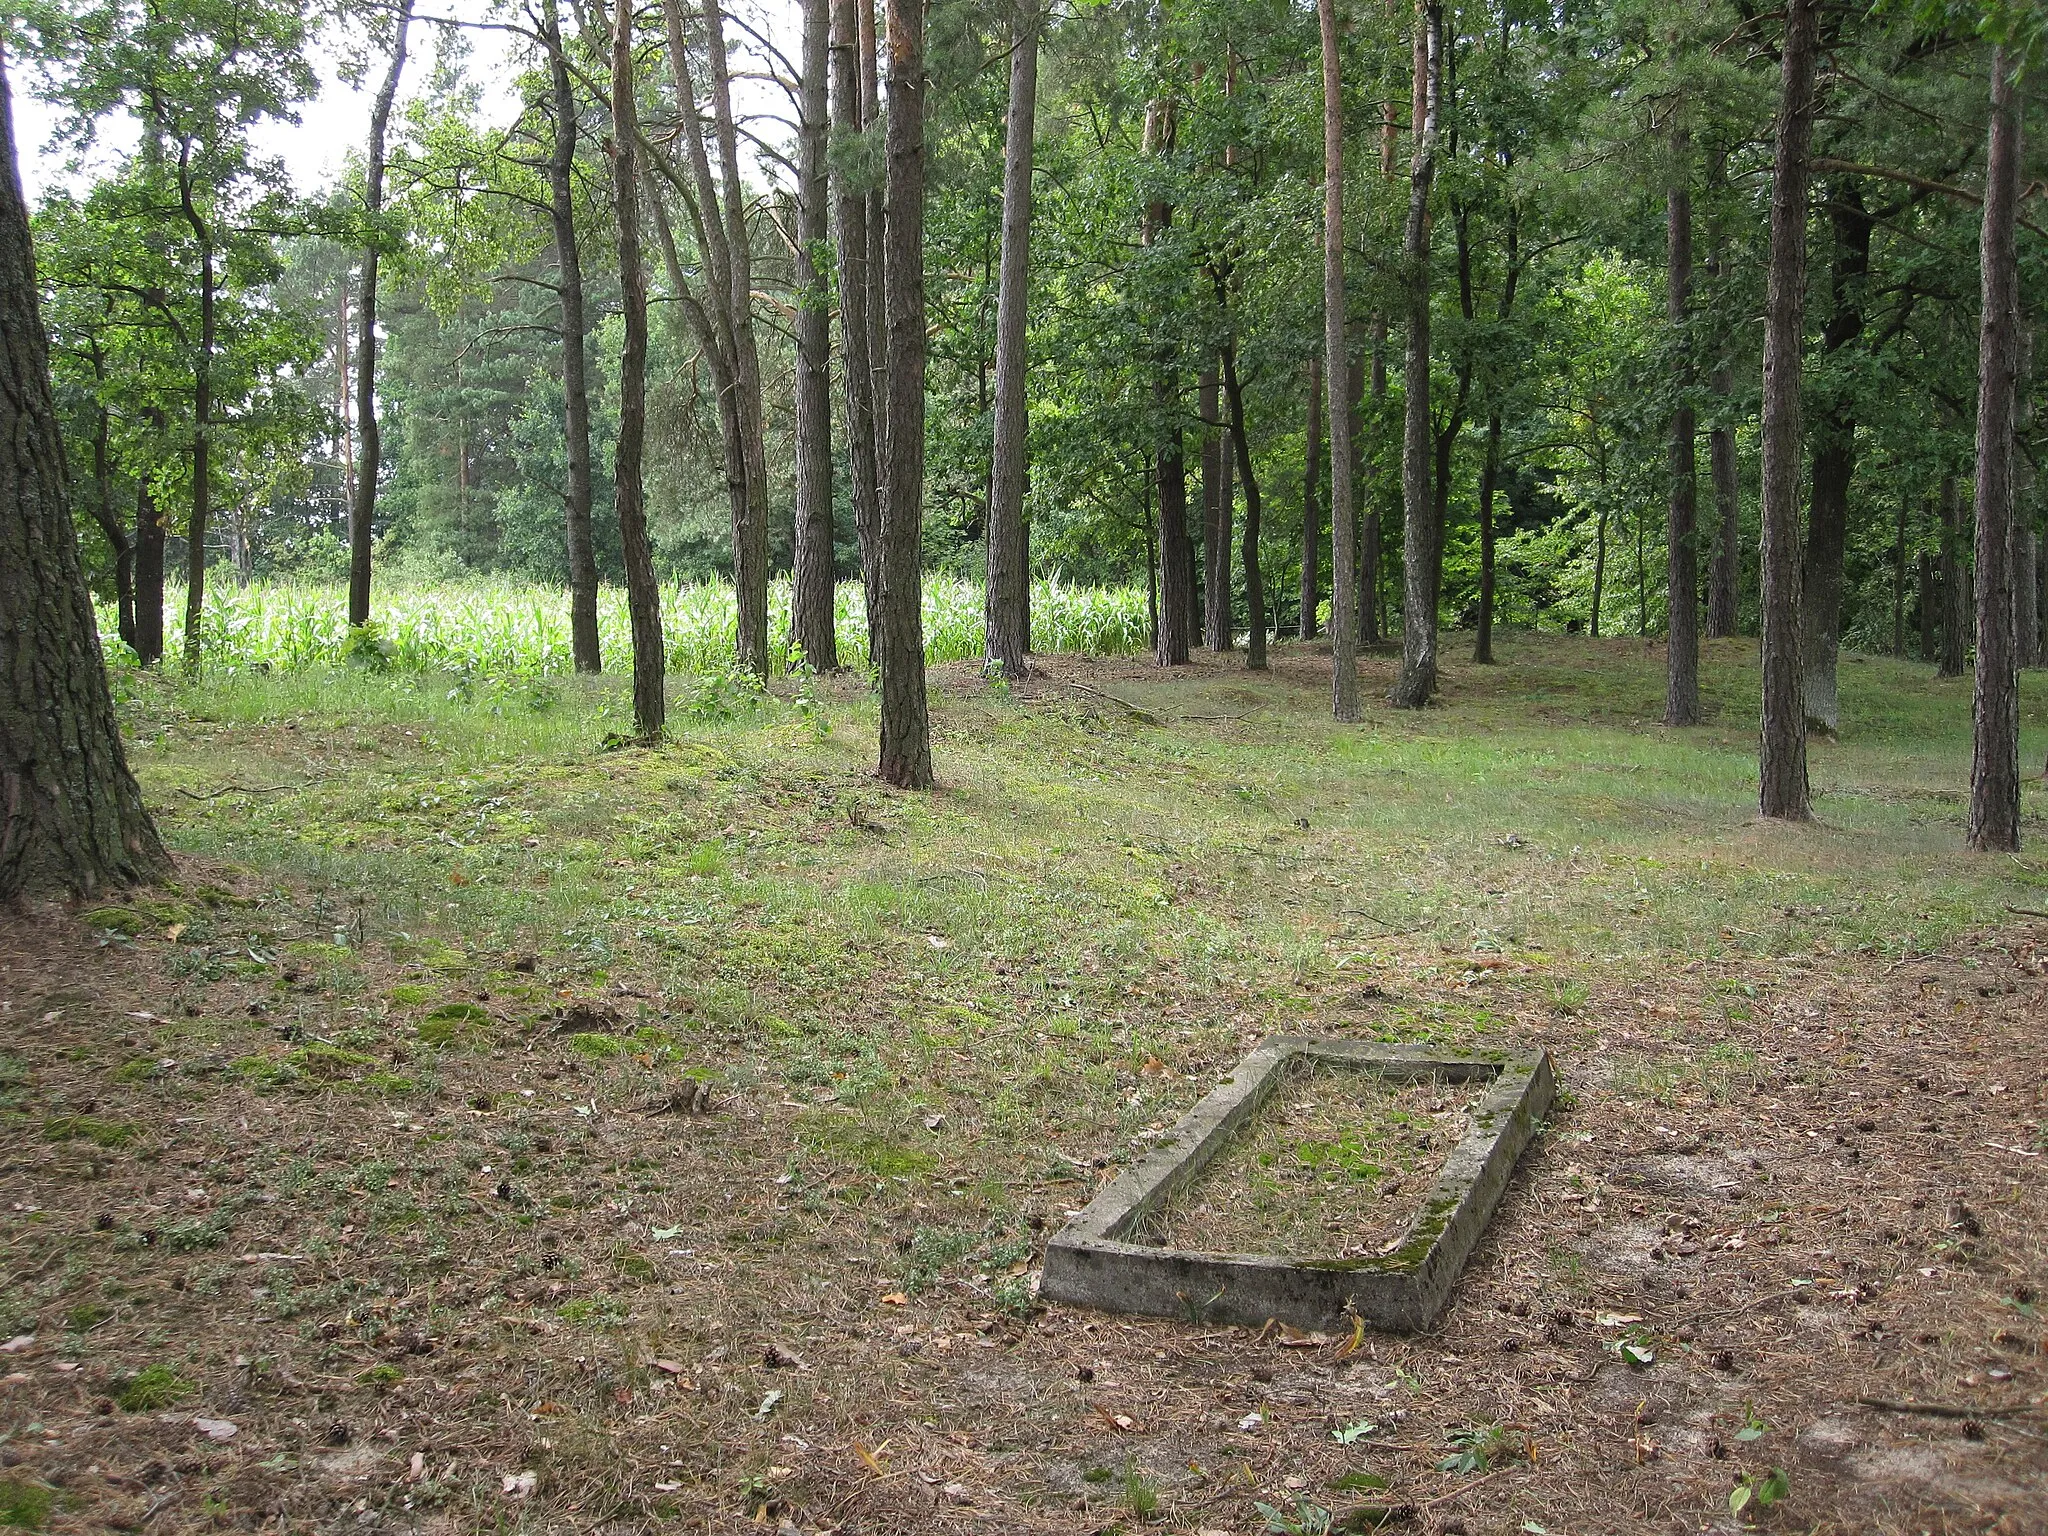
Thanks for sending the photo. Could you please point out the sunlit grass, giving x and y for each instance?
(505, 628)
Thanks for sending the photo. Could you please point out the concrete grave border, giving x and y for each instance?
(1090, 1263)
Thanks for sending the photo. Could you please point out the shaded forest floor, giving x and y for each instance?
(361, 1180)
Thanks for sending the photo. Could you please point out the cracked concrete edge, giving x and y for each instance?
(1089, 1264)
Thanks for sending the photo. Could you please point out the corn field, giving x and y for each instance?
(513, 628)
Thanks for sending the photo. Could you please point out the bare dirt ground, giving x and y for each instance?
(1821, 1215)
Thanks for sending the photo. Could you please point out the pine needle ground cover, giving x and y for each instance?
(1334, 1167)
(489, 1132)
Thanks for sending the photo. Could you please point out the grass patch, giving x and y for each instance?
(1332, 1166)
(151, 1388)
(25, 1506)
(111, 1134)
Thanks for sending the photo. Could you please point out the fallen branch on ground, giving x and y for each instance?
(1948, 1410)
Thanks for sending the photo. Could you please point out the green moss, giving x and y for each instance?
(328, 1063)
(597, 1047)
(24, 1506)
(456, 1026)
(151, 1388)
(410, 994)
(101, 1133)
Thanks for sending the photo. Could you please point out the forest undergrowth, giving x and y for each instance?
(492, 1131)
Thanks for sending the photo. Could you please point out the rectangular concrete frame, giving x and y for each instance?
(1089, 1263)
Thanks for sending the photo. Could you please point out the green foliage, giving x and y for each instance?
(1759, 1490)
(1307, 1518)
(1476, 1446)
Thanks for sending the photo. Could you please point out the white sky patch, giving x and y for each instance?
(336, 122)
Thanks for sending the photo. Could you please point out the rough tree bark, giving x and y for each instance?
(1682, 589)
(575, 375)
(1781, 758)
(1422, 535)
(1008, 599)
(1995, 769)
(1338, 370)
(850, 235)
(1834, 466)
(362, 511)
(1218, 513)
(71, 817)
(906, 753)
(643, 592)
(811, 618)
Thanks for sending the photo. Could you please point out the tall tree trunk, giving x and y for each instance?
(850, 234)
(118, 540)
(2026, 588)
(1171, 637)
(1009, 580)
(1254, 577)
(1489, 482)
(342, 395)
(1599, 566)
(1834, 466)
(202, 411)
(2041, 600)
(1924, 587)
(1311, 516)
(1174, 632)
(1724, 579)
(906, 754)
(1365, 503)
(724, 316)
(1899, 584)
(811, 620)
(750, 542)
(1781, 759)
(1955, 582)
(877, 266)
(1724, 585)
(71, 817)
(1422, 534)
(362, 512)
(1682, 585)
(643, 592)
(149, 559)
(2025, 615)
(1995, 769)
(1218, 514)
(579, 495)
